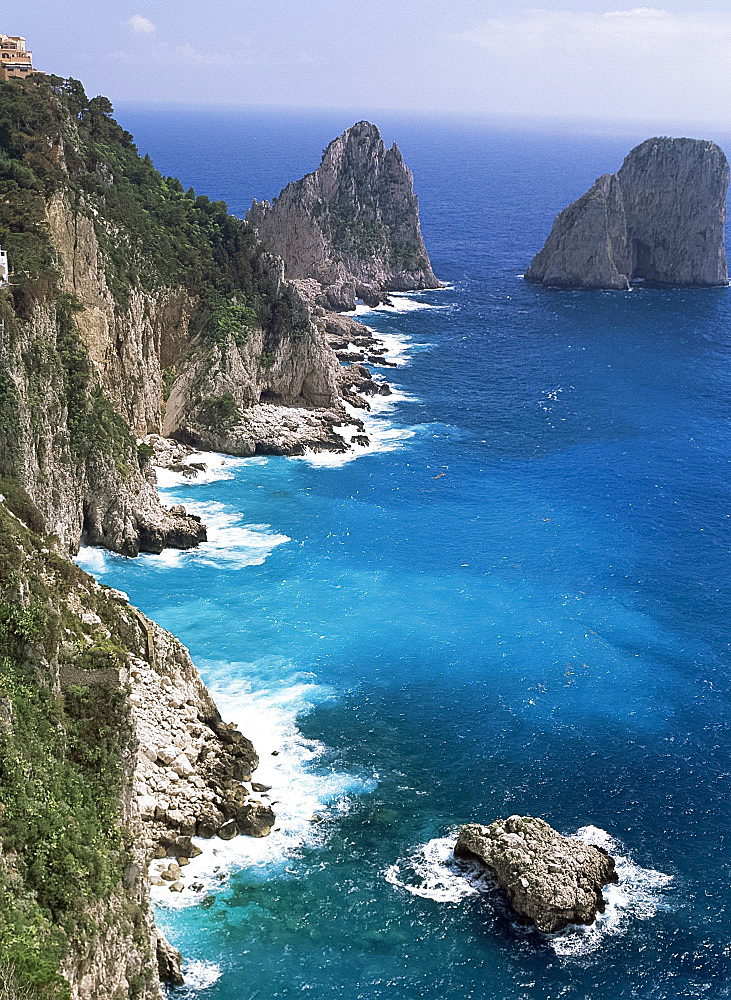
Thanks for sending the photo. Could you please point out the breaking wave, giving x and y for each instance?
(265, 700)
(430, 871)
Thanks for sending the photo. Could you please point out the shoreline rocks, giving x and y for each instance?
(550, 880)
(660, 219)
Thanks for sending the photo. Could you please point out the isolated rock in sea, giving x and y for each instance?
(352, 225)
(660, 218)
(550, 880)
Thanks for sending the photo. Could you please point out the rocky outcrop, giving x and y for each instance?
(660, 219)
(94, 357)
(550, 880)
(193, 771)
(352, 225)
(169, 962)
(124, 692)
(132, 347)
(263, 394)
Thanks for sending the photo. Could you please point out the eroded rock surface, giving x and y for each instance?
(352, 225)
(550, 880)
(660, 218)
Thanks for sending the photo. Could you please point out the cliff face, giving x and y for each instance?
(352, 225)
(112, 753)
(62, 440)
(674, 194)
(273, 391)
(135, 308)
(660, 218)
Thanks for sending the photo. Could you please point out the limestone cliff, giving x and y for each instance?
(132, 305)
(135, 307)
(660, 218)
(62, 439)
(352, 224)
(112, 753)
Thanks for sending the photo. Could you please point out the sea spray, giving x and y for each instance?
(431, 872)
(266, 699)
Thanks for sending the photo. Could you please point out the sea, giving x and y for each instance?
(516, 600)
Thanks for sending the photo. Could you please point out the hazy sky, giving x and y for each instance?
(562, 58)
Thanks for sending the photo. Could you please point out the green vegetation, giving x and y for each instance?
(144, 454)
(152, 232)
(95, 428)
(219, 411)
(168, 380)
(227, 317)
(353, 233)
(61, 770)
(407, 257)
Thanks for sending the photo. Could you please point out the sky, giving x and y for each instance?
(565, 59)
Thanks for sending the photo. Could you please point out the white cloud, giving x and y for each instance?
(187, 54)
(557, 30)
(638, 12)
(141, 25)
(644, 60)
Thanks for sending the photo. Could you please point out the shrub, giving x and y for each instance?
(219, 411)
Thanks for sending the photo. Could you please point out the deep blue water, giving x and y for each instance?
(519, 602)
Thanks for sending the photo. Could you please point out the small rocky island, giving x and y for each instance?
(660, 218)
(551, 881)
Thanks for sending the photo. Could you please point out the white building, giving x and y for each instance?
(3, 266)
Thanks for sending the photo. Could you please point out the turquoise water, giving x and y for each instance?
(516, 602)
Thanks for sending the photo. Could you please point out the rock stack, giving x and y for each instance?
(352, 225)
(661, 218)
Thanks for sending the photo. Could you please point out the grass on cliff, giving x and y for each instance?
(61, 763)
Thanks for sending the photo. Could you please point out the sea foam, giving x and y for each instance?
(382, 434)
(218, 467)
(198, 975)
(638, 895)
(399, 302)
(265, 700)
(432, 872)
(232, 544)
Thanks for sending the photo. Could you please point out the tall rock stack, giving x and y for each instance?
(660, 218)
(352, 225)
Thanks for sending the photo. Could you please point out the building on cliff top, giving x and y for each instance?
(15, 60)
(4, 273)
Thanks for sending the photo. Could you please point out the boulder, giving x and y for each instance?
(550, 880)
(229, 830)
(254, 819)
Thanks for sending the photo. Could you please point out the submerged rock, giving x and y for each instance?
(660, 218)
(550, 880)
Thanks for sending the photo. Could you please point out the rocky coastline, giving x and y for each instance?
(142, 342)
